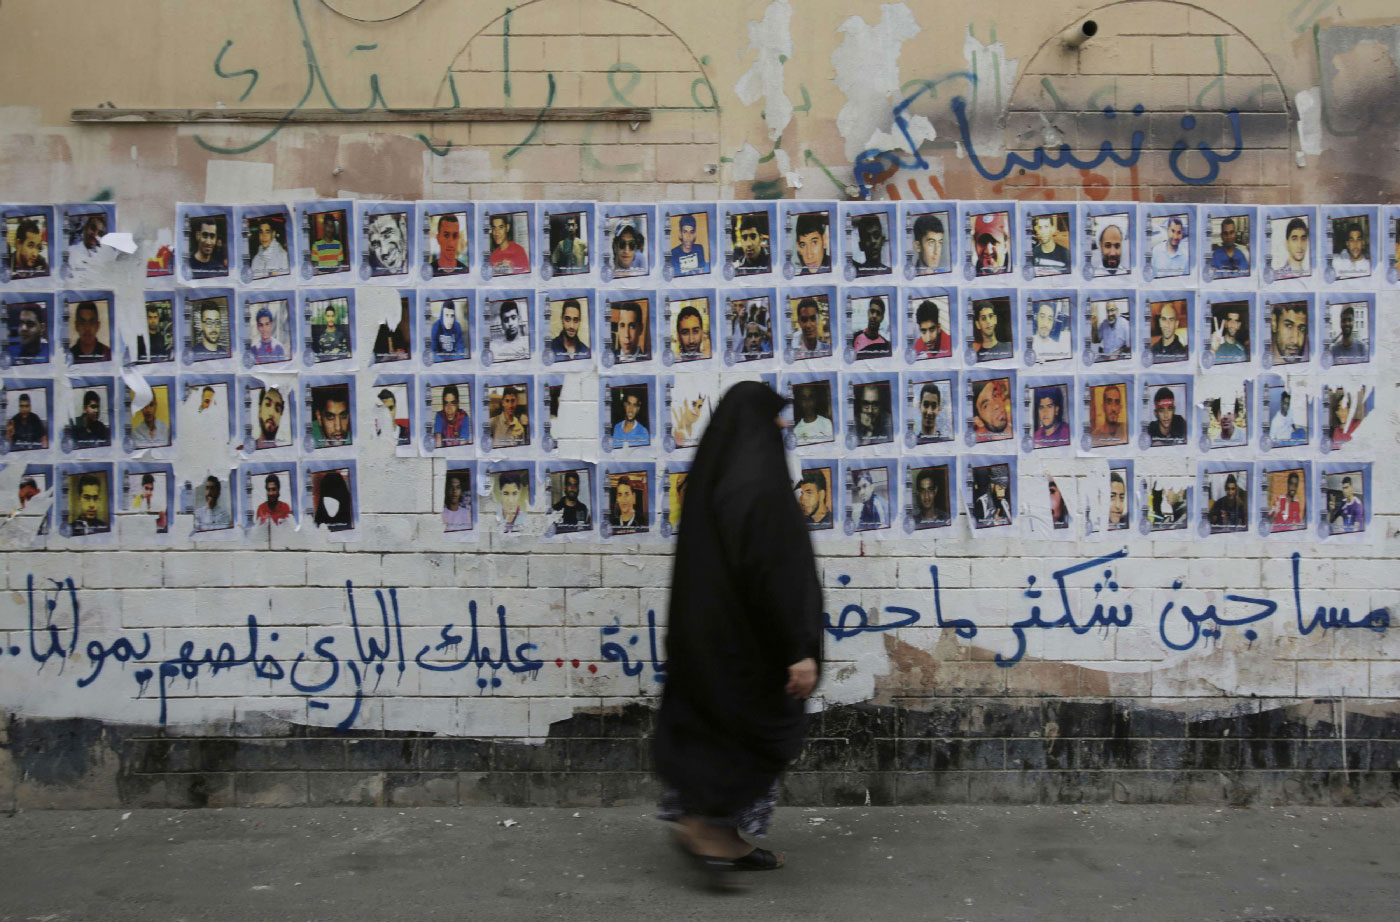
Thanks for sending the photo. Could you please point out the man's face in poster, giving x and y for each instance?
(1045, 232)
(86, 322)
(152, 321)
(92, 409)
(868, 408)
(874, 316)
(28, 489)
(571, 488)
(1290, 332)
(89, 501)
(1117, 501)
(753, 337)
(510, 320)
(629, 329)
(1356, 243)
(265, 329)
(872, 239)
(94, 229)
(31, 329)
(1166, 410)
(991, 251)
(209, 327)
(273, 488)
(270, 413)
(266, 234)
(148, 414)
(750, 240)
(1298, 245)
(626, 500)
(1044, 320)
(987, 323)
(625, 248)
(1292, 486)
(631, 405)
(570, 319)
(687, 230)
(1167, 319)
(454, 493)
(1111, 312)
(929, 404)
(24, 407)
(1175, 233)
(449, 240)
(500, 231)
(1227, 234)
(931, 248)
(1111, 246)
(386, 241)
(810, 250)
(928, 332)
(509, 401)
(689, 331)
(1348, 323)
(1046, 412)
(450, 406)
(334, 418)
(206, 237)
(926, 492)
(29, 250)
(510, 500)
(807, 321)
(991, 406)
(809, 499)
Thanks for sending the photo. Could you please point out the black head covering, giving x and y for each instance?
(745, 604)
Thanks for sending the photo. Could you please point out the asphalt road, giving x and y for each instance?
(969, 864)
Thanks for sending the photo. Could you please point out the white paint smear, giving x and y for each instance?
(1309, 104)
(867, 72)
(237, 181)
(920, 129)
(771, 41)
(995, 78)
(746, 163)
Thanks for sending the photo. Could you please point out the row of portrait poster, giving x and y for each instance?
(894, 326)
(462, 414)
(879, 498)
(339, 241)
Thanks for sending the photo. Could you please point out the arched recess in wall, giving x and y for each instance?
(588, 53)
(1174, 59)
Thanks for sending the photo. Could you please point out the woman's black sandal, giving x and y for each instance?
(760, 859)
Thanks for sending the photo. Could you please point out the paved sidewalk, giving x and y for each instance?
(972, 864)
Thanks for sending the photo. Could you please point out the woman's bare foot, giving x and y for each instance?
(712, 841)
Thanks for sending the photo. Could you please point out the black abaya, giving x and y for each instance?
(745, 604)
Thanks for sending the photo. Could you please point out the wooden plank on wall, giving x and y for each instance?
(283, 116)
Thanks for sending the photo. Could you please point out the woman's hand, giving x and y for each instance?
(802, 678)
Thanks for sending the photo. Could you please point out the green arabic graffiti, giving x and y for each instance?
(315, 78)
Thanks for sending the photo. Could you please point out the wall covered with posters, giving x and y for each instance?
(371, 419)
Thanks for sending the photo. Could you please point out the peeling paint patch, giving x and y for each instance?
(920, 129)
(1309, 103)
(771, 41)
(746, 163)
(867, 72)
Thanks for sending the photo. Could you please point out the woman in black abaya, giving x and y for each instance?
(743, 640)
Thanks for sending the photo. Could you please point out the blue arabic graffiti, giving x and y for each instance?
(339, 676)
(875, 162)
